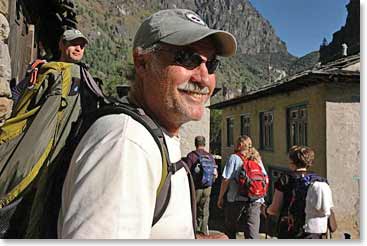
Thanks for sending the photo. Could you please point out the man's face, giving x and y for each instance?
(72, 51)
(174, 93)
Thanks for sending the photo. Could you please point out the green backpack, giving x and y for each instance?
(41, 119)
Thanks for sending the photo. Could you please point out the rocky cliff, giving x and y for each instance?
(254, 34)
(349, 34)
(111, 26)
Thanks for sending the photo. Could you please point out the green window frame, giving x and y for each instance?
(297, 128)
(245, 124)
(266, 130)
(230, 131)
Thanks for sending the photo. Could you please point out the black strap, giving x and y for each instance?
(91, 83)
(192, 194)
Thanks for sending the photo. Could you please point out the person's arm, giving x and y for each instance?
(189, 159)
(223, 189)
(228, 174)
(276, 203)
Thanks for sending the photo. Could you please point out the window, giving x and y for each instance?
(266, 130)
(230, 126)
(297, 125)
(245, 124)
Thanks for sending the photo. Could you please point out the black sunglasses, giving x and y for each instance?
(190, 60)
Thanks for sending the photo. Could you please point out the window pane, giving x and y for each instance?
(230, 123)
(266, 128)
(297, 123)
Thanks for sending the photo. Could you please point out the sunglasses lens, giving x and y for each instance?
(188, 59)
(192, 60)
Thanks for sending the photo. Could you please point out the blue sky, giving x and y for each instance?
(303, 24)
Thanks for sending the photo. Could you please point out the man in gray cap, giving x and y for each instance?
(110, 190)
(71, 46)
(78, 98)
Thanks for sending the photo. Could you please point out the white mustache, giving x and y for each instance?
(193, 87)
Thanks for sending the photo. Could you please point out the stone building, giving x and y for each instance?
(5, 67)
(319, 108)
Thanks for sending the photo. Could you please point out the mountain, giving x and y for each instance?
(305, 62)
(261, 58)
(348, 35)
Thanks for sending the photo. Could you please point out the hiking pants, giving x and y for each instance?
(242, 216)
(202, 209)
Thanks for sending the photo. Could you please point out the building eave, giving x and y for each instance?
(329, 73)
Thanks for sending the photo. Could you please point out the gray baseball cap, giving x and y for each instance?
(181, 27)
(72, 34)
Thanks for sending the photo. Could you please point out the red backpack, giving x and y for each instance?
(252, 182)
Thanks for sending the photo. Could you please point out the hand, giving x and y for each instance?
(220, 202)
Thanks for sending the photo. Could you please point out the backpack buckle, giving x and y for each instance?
(172, 168)
(141, 111)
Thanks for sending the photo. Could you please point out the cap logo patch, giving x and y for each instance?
(196, 19)
(77, 32)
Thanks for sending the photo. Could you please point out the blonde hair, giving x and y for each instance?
(247, 149)
(301, 156)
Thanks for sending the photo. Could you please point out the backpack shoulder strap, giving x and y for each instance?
(198, 155)
(313, 177)
(244, 160)
(240, 156)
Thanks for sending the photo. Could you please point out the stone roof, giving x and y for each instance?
(346, 69)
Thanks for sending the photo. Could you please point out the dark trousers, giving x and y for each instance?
(242, 216)
(202, 209)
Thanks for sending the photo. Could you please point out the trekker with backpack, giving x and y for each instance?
(115, 179)
(246, 182)
(34, 142)
(204, 172)
(302, 198)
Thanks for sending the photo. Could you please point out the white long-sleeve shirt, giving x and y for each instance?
(319, 201)
(110, 188)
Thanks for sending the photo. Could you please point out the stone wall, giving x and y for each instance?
(344, 164)
(190, 130)
(4, 5)
(5, 66)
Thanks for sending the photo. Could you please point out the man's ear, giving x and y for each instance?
(61, 44)
(139, 60)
